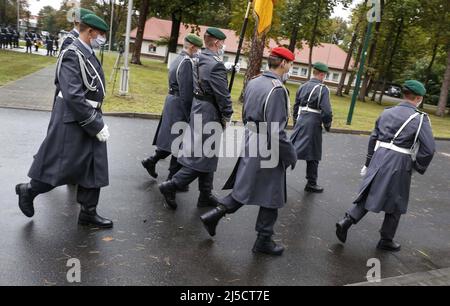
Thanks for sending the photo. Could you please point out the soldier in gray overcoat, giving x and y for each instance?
(402, 142)
(312, 109)
(212, 104)
(74, 150)
(256, 181)
(177, 107)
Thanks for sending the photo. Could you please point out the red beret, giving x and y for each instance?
(283, 53)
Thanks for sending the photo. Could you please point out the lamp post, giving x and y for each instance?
(18, 16)
(124, 76)
(111, 26)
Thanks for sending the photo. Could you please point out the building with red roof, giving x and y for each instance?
(330, 54)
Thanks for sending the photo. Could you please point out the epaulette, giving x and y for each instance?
(421, 112)
(277, 83)
(217, 58)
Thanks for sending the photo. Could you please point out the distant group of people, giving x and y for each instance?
(9, 38)
(33, 39)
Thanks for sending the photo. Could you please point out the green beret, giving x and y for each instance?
(320, 66)
(415, 87)
(216, 33)
(195, 40)
(95, 22)
(80, 12)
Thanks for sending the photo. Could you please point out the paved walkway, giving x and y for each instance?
(33, 92)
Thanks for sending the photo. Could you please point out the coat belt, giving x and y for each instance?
(310, 110)
(393, 147)
(94, 104)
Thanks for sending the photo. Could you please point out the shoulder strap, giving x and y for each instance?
(404, 125)
(422, 117)
(186, 58)
(277, 84)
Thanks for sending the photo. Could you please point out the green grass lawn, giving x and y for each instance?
(15, 65)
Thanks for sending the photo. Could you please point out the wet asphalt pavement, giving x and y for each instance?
(151, 245)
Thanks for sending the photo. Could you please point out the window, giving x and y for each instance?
(304, 72)
(152, 48)
(225, 59)
(295, 70)
(335, 77)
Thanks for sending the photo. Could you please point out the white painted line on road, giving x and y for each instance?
(445, 154)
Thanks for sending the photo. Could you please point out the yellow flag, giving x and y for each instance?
(263, 12)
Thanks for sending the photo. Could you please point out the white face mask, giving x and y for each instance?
(221, 51)
(286, 76)
(98, 41)
(420, 103)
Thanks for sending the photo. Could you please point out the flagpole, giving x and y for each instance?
(241, 41)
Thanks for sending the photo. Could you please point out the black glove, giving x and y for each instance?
(327, 127)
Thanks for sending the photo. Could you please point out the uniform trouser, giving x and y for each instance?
(312, 168)
(390, 224)
(266, 216)
(186, 176)
(87, 197)
(174, 166)
(28, 48)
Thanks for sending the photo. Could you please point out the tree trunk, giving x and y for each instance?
(430, 67)
(174, 33)
(444, 89)
(355, 69)
(143, 11)
(293, 40)
(255, 60)
(391, 58)
(313, 38)
(351, 49)
(347, 62)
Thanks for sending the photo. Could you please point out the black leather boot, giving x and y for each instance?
(314, 188)
(207, 199)
(149, 164)
(169, 191)
(182, 189)
(89, 216)
(26, 197)
(388, 245)
(211, 218)
(265, 245)
(342, 228)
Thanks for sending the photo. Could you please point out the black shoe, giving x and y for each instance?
(150, 166)
(388, 245)
(169, 191)
(91, 218)
(26, 198)
(212, 218)
(207, 200)
(265, 245)
(342, 228)
(314, 188)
